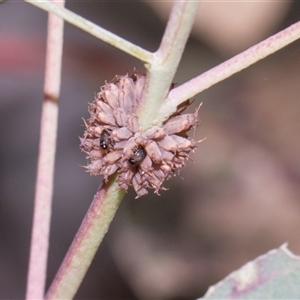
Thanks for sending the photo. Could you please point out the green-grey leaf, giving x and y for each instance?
(274, 275)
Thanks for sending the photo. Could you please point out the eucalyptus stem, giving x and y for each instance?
(94, 30)
(162, 70)
(87, 240)
(44, 182)
(227, 69)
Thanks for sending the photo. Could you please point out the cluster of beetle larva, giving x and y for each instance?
(114, 141)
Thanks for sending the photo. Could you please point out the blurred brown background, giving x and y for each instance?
(240, 196)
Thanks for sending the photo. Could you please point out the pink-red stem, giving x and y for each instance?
(44, 183)
(234, 65)
(87, 240)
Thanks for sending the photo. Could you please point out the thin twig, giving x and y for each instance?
(161, 72)
(87, 241)
(44, 182)
(95, 30)
(228, 68)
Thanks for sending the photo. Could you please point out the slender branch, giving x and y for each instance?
(44, 182)
(86, 242)
(94, 30)
(161, 71)
(227, 68)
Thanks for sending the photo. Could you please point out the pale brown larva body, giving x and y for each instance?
(115, 142)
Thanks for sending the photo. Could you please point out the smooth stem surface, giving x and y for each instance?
(94, 30)
(228, 68)
(162, 70)
(44, 182)
(87, 241)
